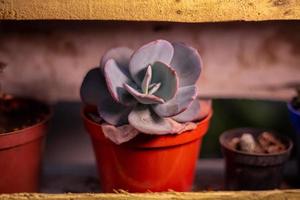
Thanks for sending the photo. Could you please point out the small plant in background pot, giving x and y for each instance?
(144, 117)
(23, 124)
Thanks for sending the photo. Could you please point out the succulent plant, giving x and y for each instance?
(153, 89)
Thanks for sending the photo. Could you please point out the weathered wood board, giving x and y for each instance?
(151, 10)
(263, 195)
(48, 60)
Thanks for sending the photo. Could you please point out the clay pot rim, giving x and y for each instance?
(292, 109)
(47, 117)
(157, 141)
(225, 144)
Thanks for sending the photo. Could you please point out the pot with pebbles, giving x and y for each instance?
(144, 117)
(254, 158)
(23, 123)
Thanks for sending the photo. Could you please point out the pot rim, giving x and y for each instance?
(47, 117)
(292, 109)
(158, 141)
(225, 145)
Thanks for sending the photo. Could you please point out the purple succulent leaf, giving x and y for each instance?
(91, 86)
(159, 50)
(164, 74)
(94, 92)
(196, 111)
(147, 80)
(146, 121)
(116, 76)
(143, 98)
(114, 113)
(187, 64)
(119, 134)
(182, 100)
(154, 87)
(120, 54)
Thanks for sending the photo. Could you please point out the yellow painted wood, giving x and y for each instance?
(262, 195)
(151, 10)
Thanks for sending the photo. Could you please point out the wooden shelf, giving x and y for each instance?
(80, 182)
(262, 195)
(151, 10)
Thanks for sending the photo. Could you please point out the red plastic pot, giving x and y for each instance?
(20, 157)
(148, 162)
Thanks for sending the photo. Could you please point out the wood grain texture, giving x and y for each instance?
(262, 195)
(48, 60)
(151, 10)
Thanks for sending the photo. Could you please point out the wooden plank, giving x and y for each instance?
(48, 60)
(122, 195)
(151, 10)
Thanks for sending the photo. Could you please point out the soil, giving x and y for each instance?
(19, 113)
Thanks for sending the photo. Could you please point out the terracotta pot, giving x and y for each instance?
(148, 162)
(20, 157)
(247, 171)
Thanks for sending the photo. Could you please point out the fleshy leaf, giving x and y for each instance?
(181, 127)
(154, 87)
(159, 50)
(119, 134)
(146, 80)
(183, 98)
(114, 113)
(143, 98)
(115, 77)
(193, 112)
(187, 64)
(162, 73)
(94, 92)
(146, 121)
(90, 91)
(120, 54)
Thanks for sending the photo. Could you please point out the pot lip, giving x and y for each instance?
(166, 140)
(225, 145)
(47, 117)
(292, 109)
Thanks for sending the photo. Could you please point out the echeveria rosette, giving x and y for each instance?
(153, 89)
